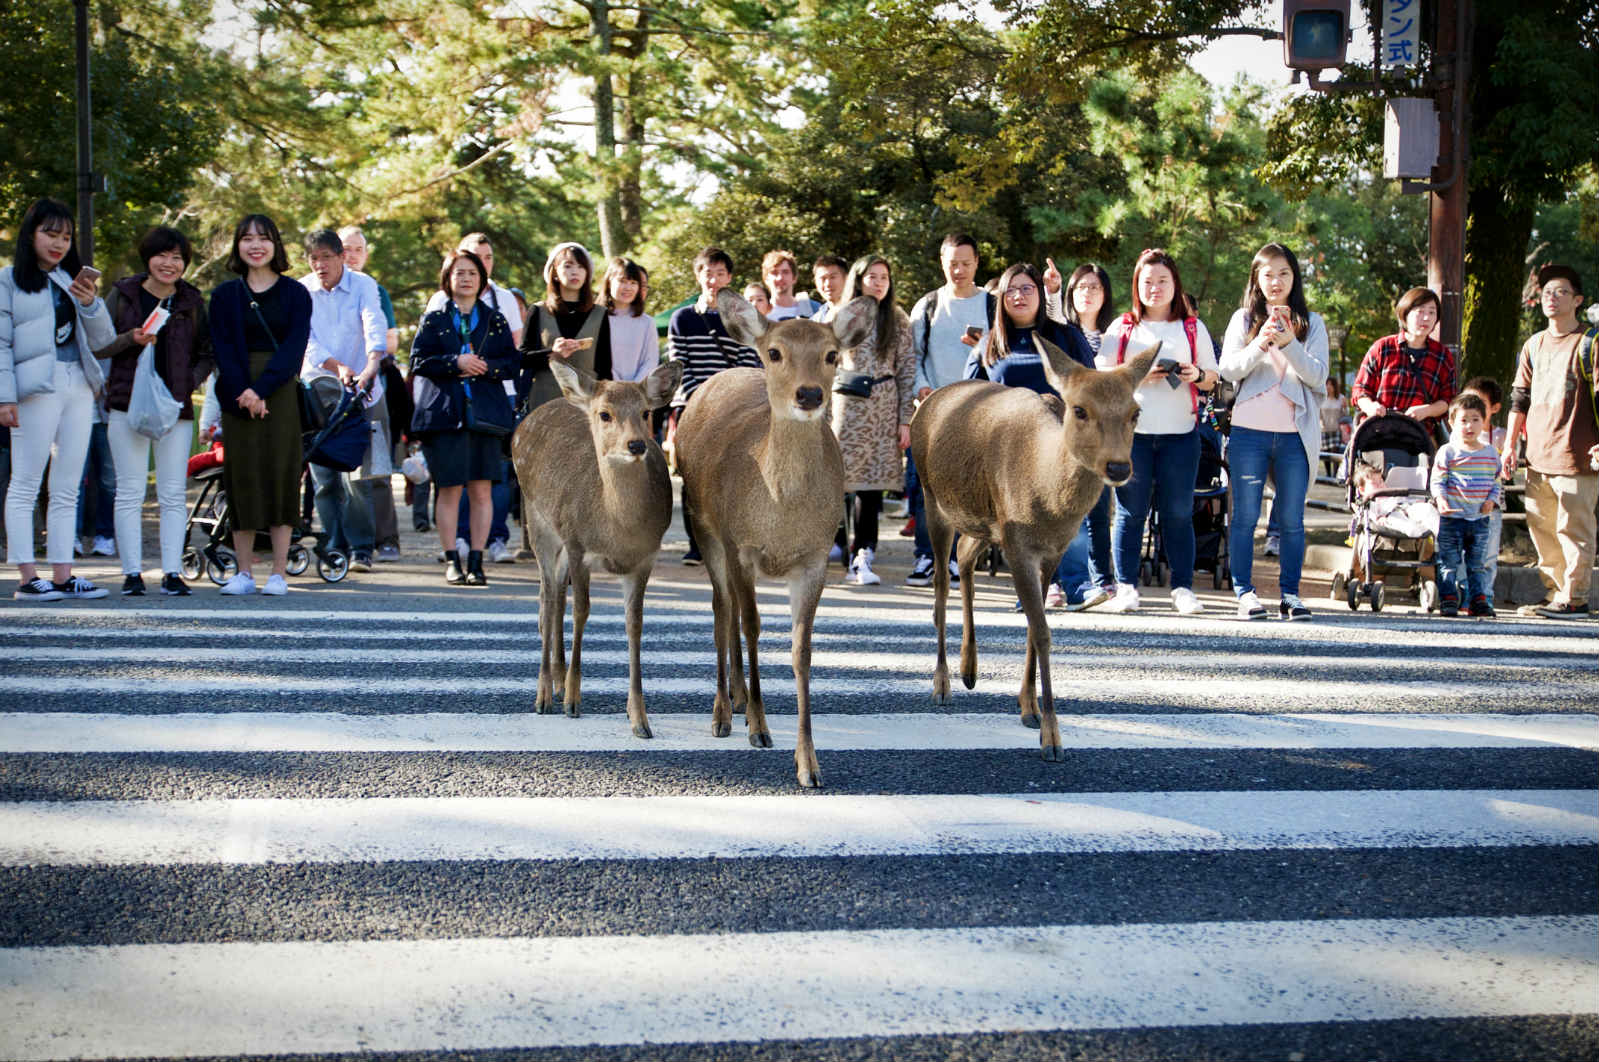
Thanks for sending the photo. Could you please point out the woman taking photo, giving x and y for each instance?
(1013, 357)
(1275, 350)
(874, 431)
(51, 321)
(462, 356)
(182, 361)
(259, 326)
(568, 325)
(1166, 441)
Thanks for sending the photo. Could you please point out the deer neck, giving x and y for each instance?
(621, 485)
(1075, 480)
(791, 454)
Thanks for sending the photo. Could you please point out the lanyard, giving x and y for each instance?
(464, 327)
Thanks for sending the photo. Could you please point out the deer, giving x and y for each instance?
(595, 490)
(1007, 466)
(764, 479)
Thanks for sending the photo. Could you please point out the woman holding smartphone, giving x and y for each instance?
(51, 322)
(1166, 441)
(1275, 350)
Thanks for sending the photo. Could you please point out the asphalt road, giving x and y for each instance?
(329, 824)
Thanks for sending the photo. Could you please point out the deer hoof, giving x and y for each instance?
(1031, 723)
(810, 779)
(721, 729)
(572, 710)
(941, 697)
(642, 730)
(545, 707)
(969, 679)
(1053, 753)
(760, 739)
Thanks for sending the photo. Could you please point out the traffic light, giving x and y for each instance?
(1315, 34)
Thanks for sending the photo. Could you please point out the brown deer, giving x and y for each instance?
(1007, 466)
(764, 481)
(594, 490)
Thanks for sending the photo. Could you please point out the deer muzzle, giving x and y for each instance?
(636, 447)
(1117, 472)
(808, 398)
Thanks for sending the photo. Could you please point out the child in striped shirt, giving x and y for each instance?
(1465, 487)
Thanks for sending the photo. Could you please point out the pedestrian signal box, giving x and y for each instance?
(1315, 34)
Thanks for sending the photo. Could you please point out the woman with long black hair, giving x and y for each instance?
(51, 322)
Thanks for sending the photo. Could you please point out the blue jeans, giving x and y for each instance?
(99, 487)
(499, 530)
(918, 507)
(1496, 530)
(1463, 550)
(1251, 456)
(1164, 469)
(344, 509)
(1086, 562)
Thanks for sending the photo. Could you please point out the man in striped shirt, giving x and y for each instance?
(700, 341)
(1465, 487)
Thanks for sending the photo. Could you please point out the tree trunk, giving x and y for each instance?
(1497, 234)
(613, 240)
(630, 180)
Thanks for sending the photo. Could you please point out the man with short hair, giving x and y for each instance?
(829, 272)
(347, 342)
(780, 271)
(700, 341)
(1553, 399)
(945, 325)
(501, 298)
(385, 520)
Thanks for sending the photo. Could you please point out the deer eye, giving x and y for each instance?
(775, 354)
(1079, 412)
(832, 357)
(1134, 419)
(605, 417)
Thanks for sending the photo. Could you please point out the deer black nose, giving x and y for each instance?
(808, 397)
(1117, 471)
(635, 447)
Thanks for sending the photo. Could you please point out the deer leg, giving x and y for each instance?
(721, 623)
(942, 537)
(1026, 699)
(549, 633)
(579, 572)
(1031, 592)
(740, 595)
(970, 549)
(755, 707)
(633, 584)
(562, 575)
(804, 591)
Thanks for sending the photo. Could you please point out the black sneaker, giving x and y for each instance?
(921, 573)
(1291, 608)
(1450, 608)
(692, 558)
(172, 585)
(133, 585)
(361, 562)
(80, 589)
(1565, 610)
(1480, 607)
(40, 591)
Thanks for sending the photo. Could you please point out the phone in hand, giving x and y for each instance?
(974, 333)
(1171, 369)
(89, 274)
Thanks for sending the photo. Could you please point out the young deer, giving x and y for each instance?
(594, 489)
(764, 481)
(1007, 466)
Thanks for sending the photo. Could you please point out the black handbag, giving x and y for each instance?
(312, 416)
(857, 384)
(487, 420)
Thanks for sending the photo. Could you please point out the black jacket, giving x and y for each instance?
(439, 383)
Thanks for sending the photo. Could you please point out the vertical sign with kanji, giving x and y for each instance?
(1401, 33)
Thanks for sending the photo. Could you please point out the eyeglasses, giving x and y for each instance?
(1559, 293)
(1021, 290)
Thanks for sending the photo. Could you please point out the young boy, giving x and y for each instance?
(1493, 396)
(1465, 487)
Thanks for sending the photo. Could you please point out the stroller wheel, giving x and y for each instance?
(221, 566)
(1352, 594)
(1338, 581)
(1226, 576)
(193, 564)
(1376, 597)
(1162, 572)
(332, 566)
(299, 560)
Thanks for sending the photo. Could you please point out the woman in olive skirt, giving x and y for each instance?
(463, 355)
(259, 326)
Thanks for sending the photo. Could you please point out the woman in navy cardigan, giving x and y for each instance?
(463, 350)
(259, 327)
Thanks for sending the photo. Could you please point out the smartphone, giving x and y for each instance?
(974, 333)
(89, 273)
(1170, 368)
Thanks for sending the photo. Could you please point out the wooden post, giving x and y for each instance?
(86, 181)
(1446, 236)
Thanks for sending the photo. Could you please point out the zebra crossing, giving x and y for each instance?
(236, 832)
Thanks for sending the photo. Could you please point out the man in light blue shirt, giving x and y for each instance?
(348, 341)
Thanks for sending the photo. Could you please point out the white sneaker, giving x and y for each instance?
(1095, 597)
(954, 574)
(497, 553)
(1125, 599)
(1054, 597)
(276, 585)
(240, 583)
(1185, 601)
(1250, 608)
(462, 549)
(105, 547)
(861, 570)
(836, 554)
(1274, 545)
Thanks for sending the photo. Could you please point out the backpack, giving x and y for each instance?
(930, 309)
(1585, 368)
(1190, 329)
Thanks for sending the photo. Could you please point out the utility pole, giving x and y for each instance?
(86, 179)
(1446, 229)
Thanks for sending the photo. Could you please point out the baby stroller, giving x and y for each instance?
(338, 442)
(1210, 520)
(1394, 529)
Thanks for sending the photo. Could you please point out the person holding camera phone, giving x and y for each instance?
(1166, 441)
(1275, 350)
(51, 322)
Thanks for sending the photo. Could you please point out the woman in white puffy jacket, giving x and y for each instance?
(51, 322)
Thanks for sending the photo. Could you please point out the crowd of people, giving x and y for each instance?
(266, 343)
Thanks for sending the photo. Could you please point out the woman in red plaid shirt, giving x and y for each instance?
(1408, 373)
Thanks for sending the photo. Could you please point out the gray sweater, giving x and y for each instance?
(27, 337)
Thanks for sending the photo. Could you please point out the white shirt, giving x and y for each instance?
(499, 298)
(1163, 409)
(347, 323)
(635, 346)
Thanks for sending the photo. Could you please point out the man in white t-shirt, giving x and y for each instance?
(945, 325)
(497, 296)
(779, 271)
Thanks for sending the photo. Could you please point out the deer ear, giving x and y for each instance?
(1139, 365)
(1058, 365)
(742, 321)
(853, 324)
(661, 384)
(575, 385)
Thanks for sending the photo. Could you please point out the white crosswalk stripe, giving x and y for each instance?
(1258, 827)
